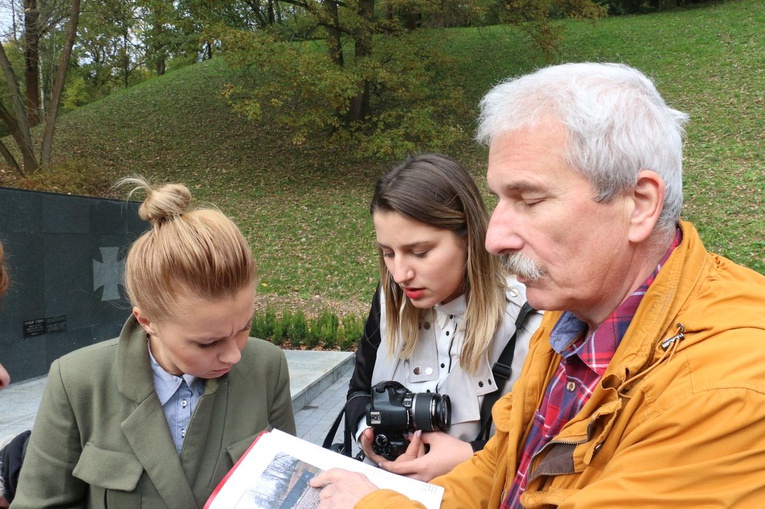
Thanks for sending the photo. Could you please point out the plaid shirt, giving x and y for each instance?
(583, 362)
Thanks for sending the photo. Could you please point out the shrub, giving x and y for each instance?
(263, 325)
(281, 328)
(349, 333)
(327, 325)
(326, 330)
(312, 338)
(297, 329)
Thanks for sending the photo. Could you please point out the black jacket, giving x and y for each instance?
(11, 459)
(360, 386)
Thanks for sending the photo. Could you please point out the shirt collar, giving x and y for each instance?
(453, 307)
(566, 331)
(166, 384)
(449, 311)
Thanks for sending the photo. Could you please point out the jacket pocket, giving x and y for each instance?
(237, 449)
(110, 470)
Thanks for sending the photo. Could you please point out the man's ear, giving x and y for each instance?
(143, 320)
(648, 200)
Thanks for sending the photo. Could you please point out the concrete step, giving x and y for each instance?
(312, 372)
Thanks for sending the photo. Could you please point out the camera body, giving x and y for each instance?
(395, 411)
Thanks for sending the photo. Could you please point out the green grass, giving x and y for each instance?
(305, 211)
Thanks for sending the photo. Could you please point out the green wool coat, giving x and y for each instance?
(101, 438)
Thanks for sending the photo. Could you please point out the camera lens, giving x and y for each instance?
(395, 411)
(431, 412)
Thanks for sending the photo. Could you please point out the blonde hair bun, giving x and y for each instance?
(165, 202)
(161, 203)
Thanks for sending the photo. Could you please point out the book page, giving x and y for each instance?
(275, 471)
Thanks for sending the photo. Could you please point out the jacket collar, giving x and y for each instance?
(662, 303)
(146, 428)
(642, 348)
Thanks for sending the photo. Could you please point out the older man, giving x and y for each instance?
(648, 388)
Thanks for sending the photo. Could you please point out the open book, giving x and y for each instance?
(275, 471)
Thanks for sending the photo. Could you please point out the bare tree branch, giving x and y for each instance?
(19, 127)
(58, 84)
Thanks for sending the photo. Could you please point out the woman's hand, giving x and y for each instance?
(341, 489)
(445, 453)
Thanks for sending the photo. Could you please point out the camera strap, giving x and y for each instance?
(501, 370)
(340, 447)
(344, 447)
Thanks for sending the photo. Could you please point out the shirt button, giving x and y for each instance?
(480, 384)
(416, 371)
(427, 325)
(428, 371)
(570, 386)
(183, 403)
(183, 433)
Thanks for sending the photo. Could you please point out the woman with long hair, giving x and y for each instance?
(444, 311)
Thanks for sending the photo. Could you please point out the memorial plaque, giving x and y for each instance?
(55, 324)
(47, 325)
(34, 327)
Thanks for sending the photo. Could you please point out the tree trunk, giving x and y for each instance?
(363, 46)
(58, 84)
(14, 28)
(126, 58)
(17, 120)
(10, 159)
(32, 60)
(160, 62)
(334, 44)
(9, 121)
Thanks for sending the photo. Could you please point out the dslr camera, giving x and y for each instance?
(395, 411)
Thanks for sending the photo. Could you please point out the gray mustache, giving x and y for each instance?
(523, 266)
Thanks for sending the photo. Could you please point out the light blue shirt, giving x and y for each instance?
(178, 396)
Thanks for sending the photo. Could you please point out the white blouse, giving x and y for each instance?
(438, 369)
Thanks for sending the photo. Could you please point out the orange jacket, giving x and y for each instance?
(678, 420)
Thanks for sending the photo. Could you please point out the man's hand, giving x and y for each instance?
(445, 453)
(365, 443)
(341, 488)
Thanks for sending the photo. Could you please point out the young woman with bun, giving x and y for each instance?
(158, 416)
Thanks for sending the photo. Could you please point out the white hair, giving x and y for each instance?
(616, 121)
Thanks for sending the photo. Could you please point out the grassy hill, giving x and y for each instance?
(305, 211)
